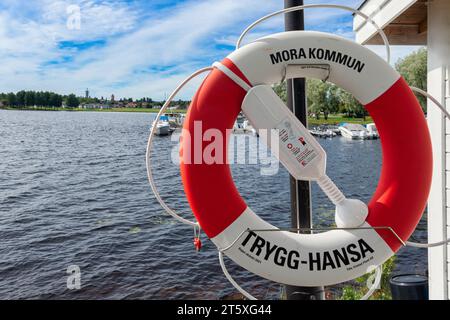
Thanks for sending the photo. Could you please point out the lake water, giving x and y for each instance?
(74, 191)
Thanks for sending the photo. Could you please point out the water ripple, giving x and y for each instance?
(73, 191)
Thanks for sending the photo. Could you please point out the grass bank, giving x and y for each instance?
(146, 110)
(332, 119)
(336, 119)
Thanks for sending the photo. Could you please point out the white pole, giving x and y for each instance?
(438, 86)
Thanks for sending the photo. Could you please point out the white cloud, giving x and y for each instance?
(145, 53)
(98, 19)
(29, 40)
(174, 38)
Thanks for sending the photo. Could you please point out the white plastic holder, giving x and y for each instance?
(299, 151)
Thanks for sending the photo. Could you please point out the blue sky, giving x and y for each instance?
(134, 48)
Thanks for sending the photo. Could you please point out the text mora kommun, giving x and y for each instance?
(318, 54)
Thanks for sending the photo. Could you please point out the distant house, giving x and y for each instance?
(131, 105)
(1, 104)
(175, 107)
(95, 106)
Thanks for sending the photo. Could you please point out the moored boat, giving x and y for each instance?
(162, 126)
(372, 131)
(354, 131)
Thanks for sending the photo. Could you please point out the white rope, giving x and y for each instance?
(376, 283)
(369, 293)
(230, 278)
(149, 149)
(433, 99)
(309, 6)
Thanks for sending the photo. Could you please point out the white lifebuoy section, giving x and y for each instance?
(398, 202)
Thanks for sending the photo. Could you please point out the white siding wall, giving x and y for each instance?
(447, 234)
(439, 201)
(446, 216)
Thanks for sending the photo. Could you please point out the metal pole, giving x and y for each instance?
(301, 216)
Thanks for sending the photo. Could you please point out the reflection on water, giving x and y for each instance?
(73, 191)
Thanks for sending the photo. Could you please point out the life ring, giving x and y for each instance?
(334, 256)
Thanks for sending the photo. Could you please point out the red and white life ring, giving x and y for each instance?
(398, 202)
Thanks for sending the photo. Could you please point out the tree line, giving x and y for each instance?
(32, 98)
(325, 98)
(46, 99)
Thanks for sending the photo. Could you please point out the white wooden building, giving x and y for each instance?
(420, 22)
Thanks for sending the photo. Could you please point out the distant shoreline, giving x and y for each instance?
(332, 119)
(138, 110)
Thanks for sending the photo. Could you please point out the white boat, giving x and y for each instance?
(163, 126)
(243, 126)
(248, 128)
(334, 129)
(330, 133)
(176, 120)
(372, 131)
(315, 132)
(323, 132)
(354, 131)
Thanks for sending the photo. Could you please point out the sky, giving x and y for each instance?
(135, 48)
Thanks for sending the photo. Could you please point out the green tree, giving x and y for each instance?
(30, 98)
(11, 99)
(326, 98)
(45, 99)
(317, 93)
(72, 101)
(55, 100)
(414, 69)
(350, 106)
(20, 96)
(38, 99)
(3, 99)
(323, 97)
(333, 99)
(280, 90)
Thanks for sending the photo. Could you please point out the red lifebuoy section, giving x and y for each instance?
(398, 202)
(405, 181)
(210, 188)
